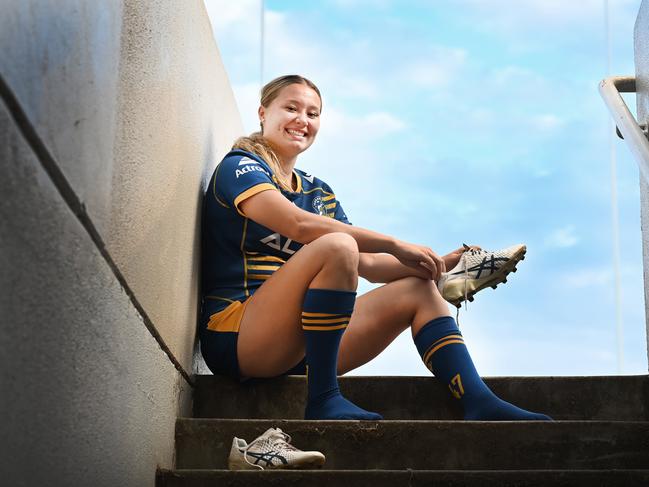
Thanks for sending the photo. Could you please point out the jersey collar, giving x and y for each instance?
(299, 181)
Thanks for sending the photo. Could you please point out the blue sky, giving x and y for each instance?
(474, 121)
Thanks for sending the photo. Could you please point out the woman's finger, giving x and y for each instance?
(442, 263)
(430, 267)
(436, 265)
(439, 264)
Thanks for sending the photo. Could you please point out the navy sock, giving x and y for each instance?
(442, 349)
(325, 315)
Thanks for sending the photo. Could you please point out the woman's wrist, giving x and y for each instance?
(391, 245)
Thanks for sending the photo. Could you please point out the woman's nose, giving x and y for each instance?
(301, 118)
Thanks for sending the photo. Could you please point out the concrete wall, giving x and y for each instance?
(112, 117)
(641, 46)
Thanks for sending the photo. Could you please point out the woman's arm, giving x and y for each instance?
(274, 211)
(383, 268)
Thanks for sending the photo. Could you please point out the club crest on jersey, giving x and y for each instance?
(319, 206)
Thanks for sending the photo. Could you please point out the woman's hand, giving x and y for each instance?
(418, 257)
(452, 258)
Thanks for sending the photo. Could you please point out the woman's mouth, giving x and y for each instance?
(296, 133)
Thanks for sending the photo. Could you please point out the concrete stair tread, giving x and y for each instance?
(426, 444)
(410, 478)
(565, 398)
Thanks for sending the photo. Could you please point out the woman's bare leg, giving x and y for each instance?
(383, 313)
(271, 339)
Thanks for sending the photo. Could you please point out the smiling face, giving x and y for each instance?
(291, 120)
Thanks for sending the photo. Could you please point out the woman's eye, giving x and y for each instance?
(291, 108)
(314, 114)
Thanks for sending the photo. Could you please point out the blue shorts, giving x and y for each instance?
(219, 335)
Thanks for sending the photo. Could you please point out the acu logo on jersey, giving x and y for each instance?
(275, 241)
(248, 166)
(319, 206)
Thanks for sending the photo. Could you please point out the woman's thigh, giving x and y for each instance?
(271, 340)
(383, 313)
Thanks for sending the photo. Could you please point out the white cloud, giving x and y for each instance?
(541, 173)
(546, 13)
(538, 10)
(509, 76)
(354, 86)
(228, 17)
(287, 49)
(350, 129)
(546, 122)
(361, 4)
(436, 67)
(511, 82)
(529, 27)
(562, 238)
(584, 278)
(292, 50)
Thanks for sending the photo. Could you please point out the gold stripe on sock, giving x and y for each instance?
(324, 328)
(323, 322)
(309, 314)
(448, 340)
(447, 337)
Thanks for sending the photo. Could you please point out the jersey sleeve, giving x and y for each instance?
(340, 215)
(332, 203)
(238, 178)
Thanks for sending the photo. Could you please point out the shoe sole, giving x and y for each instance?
(316, 462)
(454, 290)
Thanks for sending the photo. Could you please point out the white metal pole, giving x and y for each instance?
(615, 223)
(261, 44)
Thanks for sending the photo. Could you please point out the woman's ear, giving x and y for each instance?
(261, 111)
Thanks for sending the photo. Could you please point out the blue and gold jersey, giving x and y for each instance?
(239, 254)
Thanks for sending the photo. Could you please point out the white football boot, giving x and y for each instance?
(272, 450)
(477, 270)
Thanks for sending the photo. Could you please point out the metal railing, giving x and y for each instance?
(635, 135)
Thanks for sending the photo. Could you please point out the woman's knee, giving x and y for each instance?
(419, 291)
(338, 249)
(417, 284)
(424, 301)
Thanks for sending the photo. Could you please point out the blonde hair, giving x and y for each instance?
(256, 143)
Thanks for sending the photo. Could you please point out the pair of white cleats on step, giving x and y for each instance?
(477, 270)
(272, 450)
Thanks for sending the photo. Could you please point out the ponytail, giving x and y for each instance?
(258, 145)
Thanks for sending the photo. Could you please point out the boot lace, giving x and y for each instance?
(473, 252)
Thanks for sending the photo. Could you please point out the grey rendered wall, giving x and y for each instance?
(641, 46)
(113, 115)
(88, 397)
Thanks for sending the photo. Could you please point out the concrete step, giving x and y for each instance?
(426, 445)
(405, 478)
(622, 398)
